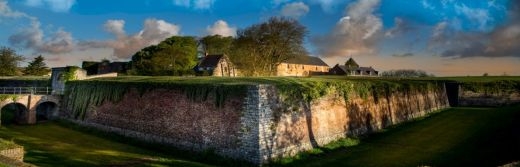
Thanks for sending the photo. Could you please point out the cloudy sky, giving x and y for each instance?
(443, 37)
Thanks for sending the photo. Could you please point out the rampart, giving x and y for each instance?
(252, 122)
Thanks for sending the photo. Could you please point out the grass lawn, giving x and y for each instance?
(50, 144)
(456, 137)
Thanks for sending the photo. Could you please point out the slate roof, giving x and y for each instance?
(210, 61)
(307, 60)
(344, 68)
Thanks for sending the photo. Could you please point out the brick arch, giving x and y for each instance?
(20, 117)
(46, 110)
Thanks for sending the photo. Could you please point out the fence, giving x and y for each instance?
(26, 90)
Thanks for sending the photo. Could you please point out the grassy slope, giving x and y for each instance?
(456, 137)
(52, 145)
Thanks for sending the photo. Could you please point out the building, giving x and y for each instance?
(216, 65)
(351, 68)
(302, 66)
(105, 67)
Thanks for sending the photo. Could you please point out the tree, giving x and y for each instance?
(406, 73)
(9, 61)
(259, 49)
(37, 67)
(174, 56)
(216, 44)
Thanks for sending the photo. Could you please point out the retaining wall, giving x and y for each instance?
(259, 125)
(13, 153)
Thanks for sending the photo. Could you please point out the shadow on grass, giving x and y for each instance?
(455, 137)
(207, 156)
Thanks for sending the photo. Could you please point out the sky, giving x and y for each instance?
(442, 37)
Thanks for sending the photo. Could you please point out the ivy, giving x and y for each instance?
(70, 73)
(83, 94)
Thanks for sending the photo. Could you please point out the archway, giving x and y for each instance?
(14, 113)
(45, 110)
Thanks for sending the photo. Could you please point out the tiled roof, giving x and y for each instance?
(210, 61)
(307, 60)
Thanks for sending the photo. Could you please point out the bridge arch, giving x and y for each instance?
(14, 113)
(46, 110)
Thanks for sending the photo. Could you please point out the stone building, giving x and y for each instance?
(216, 65)
(351, 68)
(105, 67)
(302, 66)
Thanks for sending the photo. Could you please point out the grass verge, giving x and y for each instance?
(51, 144)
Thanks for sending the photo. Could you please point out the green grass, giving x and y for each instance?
(455, 137)
(49, 144)
(4, 144)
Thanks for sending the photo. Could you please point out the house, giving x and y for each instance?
(351, 68)
(302, 66)
(105, 67)
(216, 65)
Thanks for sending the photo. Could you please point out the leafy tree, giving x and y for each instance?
(216, 44)
(9, 61)
(406, 73)
(37, 67)
(259, 49)
(173, 56)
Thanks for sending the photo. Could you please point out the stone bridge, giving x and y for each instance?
(27, 106)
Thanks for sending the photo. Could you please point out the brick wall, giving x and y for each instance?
(256, 127)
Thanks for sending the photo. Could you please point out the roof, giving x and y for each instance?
(210, 60)
(307, 60)
(350, 62)
(366, 69)
(344, 68)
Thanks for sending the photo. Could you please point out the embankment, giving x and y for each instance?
(255, 121)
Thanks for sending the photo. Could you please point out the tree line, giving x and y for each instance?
(10, 60)
(256, 50)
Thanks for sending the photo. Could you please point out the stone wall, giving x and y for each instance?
(470, 98)
(168, 116)
(13, 153)
(257, 126)
(285, 131)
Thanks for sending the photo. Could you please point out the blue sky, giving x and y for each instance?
(439, 36)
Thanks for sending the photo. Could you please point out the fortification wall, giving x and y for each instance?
(257, 125)
(287, 130)
(471, 98)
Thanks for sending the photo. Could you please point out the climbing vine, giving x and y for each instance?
(83, 94)
(70, 73)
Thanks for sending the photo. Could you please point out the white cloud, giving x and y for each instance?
(327, 5)
(220, 27)
(427, 5)
(54, 5)
(279, 2)
(183, 3)
(7, 12)
(124, 46)
(400, 27)
(480, 16)
(115, 27)
(358, 32)
(33, 38)
(295, 10)
(196, 4)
